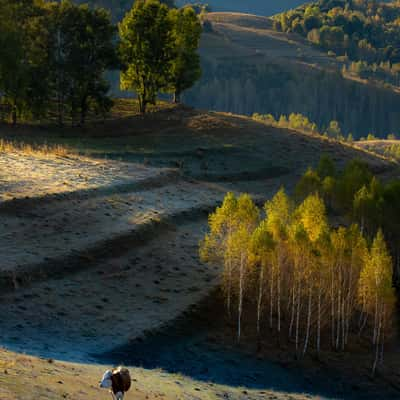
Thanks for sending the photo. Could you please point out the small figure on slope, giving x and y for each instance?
(118, 380)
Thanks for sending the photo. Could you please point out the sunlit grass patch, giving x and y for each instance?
(11, 146)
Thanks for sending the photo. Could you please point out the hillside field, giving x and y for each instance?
(100, 231)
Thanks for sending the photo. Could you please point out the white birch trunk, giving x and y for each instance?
(308, 322)
(378, 330)
(293, 309)
(298, 316)
(332, 309)
(319, 320)
(260, 298)
(279, 300)
(240, 303)
(271, 305)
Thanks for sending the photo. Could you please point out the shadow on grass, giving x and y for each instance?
(192, 347)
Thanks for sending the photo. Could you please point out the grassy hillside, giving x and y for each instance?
(248, 67)
(118, 215)
(259, 7)
(30, 378)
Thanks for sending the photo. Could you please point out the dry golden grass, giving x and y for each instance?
(29, 378)
(12, 146)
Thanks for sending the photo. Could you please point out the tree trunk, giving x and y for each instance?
(343, 325)
(349, 302)
(229, 295)
(60, 111)
(293, 309)
(332, 309)
(177, 97)
(228, 300)
(240, 304)
(383, 335)
(271, 303)
(298, 315)
(319, 320)
(260, 296)
(142, 104)
(308, 322)
(339, 311)
(83, 111)
(376, 320)
(378, 330)
(279, 298)
(14, 114)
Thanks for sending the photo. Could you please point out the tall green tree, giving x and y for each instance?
(22, 56)
(146, 50)
(185, 68)
(82, 48)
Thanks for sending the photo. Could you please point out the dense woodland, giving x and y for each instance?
(361, 29)
(365, 32)
(246, 87)
(288, 271)
(259, 7)
(117, 8)
(54, 56)
(268, 86)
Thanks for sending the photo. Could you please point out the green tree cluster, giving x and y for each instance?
(300, 122)
(118, 8)
(356, 194)
(361, 30)
(308, 283)
(54, 56)
(385, 72)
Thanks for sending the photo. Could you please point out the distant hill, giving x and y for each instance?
(248, 67)
(258, 7)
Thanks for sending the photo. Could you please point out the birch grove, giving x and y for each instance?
(289, 274)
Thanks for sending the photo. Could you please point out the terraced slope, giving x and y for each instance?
(88, 272)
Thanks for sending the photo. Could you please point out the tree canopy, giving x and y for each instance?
(362, 30)
(313, 285)
(54, 56)
(158, 49)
